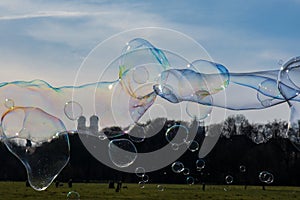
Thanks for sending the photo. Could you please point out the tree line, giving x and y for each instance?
(255, 147)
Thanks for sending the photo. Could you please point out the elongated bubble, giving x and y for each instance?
(146, 77)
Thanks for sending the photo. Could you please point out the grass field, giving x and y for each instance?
(17, 190)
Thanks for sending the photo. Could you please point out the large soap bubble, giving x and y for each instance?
(289, 87)
(39, 141)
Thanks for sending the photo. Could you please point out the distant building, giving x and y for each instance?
(92, 129)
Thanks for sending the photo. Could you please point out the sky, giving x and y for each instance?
(49, 40)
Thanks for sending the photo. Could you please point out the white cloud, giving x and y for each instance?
(44, 14)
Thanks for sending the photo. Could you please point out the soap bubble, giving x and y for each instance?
(268, 93)
(9, 103)
(73, 110)
(242, 168)
(140, 171)
(141, 184)
(200, 164)
(137, 134)
(177, 134)
(190, 180)
(186, 171)
(177, 167)
(193, 146)
(39, 140)
(140, 74)
(289, 87)
(145, 178)
(102, 136)
(122, 152)
(72, 195)
(175, 147)
(266, 177)
(228, 179)
(160, 188)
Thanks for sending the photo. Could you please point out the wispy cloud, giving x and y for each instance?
(45, 14)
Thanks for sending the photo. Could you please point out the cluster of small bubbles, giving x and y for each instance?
(9, 103)
(190, 180)
(228, 179)
(160, 188)
(200, 164)
(72, 195)
(177, 167)
(242, 168)
(142, 184)
(122, 152)
(193, 146)
(186, 171)
(266, 177)
(73, 110)
(140, 172)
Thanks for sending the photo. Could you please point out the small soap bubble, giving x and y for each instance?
(200, 164)
(102, 136)
(242, 168)
(145, 178)
(141, 184)
(160, 188)
(228, 179)
(9, 103)
(140, 172)
(186, 171)
(190, 180)
(266, 177)
(193, 146)
(72, 195)
(175, 147)
(140, 75)
(177, 167)
(73, 110)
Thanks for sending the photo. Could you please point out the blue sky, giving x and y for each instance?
(48, 39)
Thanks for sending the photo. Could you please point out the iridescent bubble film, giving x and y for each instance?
(147, 77)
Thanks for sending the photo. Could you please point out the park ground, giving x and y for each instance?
(87, 191)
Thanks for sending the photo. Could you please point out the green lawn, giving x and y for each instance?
(17, 190)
